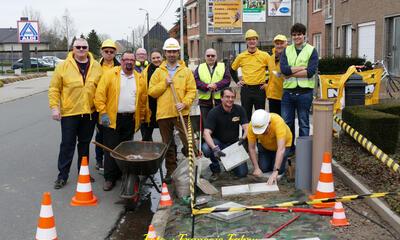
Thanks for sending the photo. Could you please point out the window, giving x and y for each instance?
(195, 16)
(190, 17)
(317, 42)
(329, 8)
(316, 5)
(338, 37)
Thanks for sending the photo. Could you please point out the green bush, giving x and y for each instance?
(1, 83)
(42, 69)
(390, 108)
(5, 64)
(379, 127)
(337, 65)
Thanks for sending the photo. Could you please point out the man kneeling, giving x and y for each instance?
(274, 140)
(222, 130)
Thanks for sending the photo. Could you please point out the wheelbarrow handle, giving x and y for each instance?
(110, 150)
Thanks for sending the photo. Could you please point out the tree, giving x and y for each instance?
(72, 43)
(94, 43)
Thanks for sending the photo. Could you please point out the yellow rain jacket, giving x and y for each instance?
(275, 84)
(185, 87)
(107, 95)
(68, 91)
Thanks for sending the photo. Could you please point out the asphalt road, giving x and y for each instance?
(29, 143)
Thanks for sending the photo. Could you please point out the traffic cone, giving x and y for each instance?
(84, 195)
(165, 200)
(325, 188)
(46, 229)
(151, 234)
(339, 217)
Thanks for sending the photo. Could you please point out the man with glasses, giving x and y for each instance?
(222, 130)
(141, 60)
(299, 63)
(211, 77)
(254, 64)
(121, 100)
(107, 62)
(172, 75)
(71, 94)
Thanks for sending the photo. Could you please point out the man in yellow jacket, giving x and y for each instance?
(274, 89)
(71, 94)
(172, 74)
(121, 100)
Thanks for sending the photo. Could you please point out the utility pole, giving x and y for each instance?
(148, 29)
(133, 39)
(181, 31)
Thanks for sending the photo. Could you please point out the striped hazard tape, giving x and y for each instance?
(295, 203)
(372, 148)
(191, 162)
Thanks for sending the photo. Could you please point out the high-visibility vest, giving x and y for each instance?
(205, 77)
(300, 60)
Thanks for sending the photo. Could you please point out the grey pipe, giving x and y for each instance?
(303, 163)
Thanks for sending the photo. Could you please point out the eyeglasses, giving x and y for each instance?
(128, 60)
(210, 56)
(81, 47)
(109, 52)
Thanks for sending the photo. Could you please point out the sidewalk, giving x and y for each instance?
(21, 89)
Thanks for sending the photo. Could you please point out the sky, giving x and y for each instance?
(115, 18)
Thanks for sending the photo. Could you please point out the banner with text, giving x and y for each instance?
(279, 8)
(224, 17)
(254, 10)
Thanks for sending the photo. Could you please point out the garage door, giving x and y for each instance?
(366, 41)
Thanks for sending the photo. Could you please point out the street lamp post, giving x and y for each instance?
(148, 29)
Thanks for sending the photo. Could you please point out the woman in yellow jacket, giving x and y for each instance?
(121, 100)
(71, 94)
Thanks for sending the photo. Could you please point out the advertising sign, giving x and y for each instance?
(279, 7)
(28, 32)
(254, 10)
(224, 17)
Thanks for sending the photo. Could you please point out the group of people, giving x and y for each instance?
(119, 98)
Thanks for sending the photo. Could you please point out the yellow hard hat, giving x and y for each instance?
(108, 44)
(280, 37)
(171, 44)
(251, 33)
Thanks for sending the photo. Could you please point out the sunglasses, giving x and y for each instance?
(109, 52)
(210, 56)
(81, 47)
(128, 60)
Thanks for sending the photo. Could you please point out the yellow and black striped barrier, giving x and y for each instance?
(295, 203)
(191, 162)
(372, 148)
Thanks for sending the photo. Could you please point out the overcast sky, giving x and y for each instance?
(115, 18)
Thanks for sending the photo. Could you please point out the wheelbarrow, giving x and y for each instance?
(138, 161)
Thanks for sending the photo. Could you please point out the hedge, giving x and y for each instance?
(337, 65)
(41, 69)
(1, 83)
(381, 128)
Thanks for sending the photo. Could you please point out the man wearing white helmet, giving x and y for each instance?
(274, 140)
(172, 73)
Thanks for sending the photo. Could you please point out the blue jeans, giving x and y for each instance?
(239, 171)
(266, 159)
(300, 102)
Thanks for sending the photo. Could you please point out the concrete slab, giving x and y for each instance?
(256, 188)
(229, 216)
(206, 186)
(235, 190)
(235, 155)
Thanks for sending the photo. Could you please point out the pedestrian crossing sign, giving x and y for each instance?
(28, 32)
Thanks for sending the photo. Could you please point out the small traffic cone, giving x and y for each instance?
(46, 229)
(84, 195)
(339, 217)
(151, 234)
(165, 200)
(325, 188)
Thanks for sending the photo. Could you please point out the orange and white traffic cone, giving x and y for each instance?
(325, 187)
(46, 229)
(84, 195)
(339, 217)
(165, 200)
(151, 234)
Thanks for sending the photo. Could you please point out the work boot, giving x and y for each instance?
(108, 185)
(59, 183)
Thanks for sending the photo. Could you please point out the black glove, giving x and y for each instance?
(241, 141)
(218, 153)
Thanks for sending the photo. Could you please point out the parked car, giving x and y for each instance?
(35, 62)
(53, 60)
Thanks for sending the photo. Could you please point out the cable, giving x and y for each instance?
(169, 3)
(370, 219)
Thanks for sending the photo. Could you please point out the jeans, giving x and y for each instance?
(239, 171)
(266, 159)
(300, 102)
(78, 127)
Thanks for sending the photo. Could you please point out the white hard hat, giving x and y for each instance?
(171, 44)
(260, 121)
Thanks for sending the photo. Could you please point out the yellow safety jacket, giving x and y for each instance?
(107, 96)
(185, 87)
(68, 91)
(205, 76)
(275, 84)
(300, 60)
